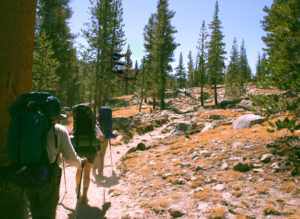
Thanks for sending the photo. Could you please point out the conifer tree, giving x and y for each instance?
(105, 36)
(201, 74)
(244, 66)
(163, 47)
(150, 76)
(53, 19)
(128, 74)
(216, 52)
(180, 73)
(44, 77)
(233, 74)
(190, 70)
(262, 76)
(282, 26)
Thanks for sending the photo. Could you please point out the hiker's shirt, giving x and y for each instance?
(64, 146)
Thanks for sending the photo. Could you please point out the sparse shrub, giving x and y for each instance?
(271, 210)
(216, 213)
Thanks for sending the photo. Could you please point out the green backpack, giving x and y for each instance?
(84, 138)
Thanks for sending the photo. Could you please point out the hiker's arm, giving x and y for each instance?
(67, 149)
(99, 133)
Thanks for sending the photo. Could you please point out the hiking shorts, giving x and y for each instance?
(89, 155)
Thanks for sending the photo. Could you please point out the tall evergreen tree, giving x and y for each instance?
(53, 19)
(282, 25)
(262, 76)
(150, 76)
(127, 75)
(180, 73)
(216, 52)
(105, 36)
(44, 77)
(233, 74)
(190, 70)
(244, 66)
(163, 47)
(201, 76)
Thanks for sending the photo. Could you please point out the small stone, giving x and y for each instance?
(242, 167)
(175, 211)
(266, 158)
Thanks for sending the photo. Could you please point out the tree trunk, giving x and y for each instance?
(216, 94)
(16, 49)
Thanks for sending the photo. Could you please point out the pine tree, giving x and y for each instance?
(233, 74)
(216, 52)
(262, 77)
(127, 75)
(244, 66)
(53, 19)
(150, 76)
(191, 71)
(201, 76)
(180, 73)
(163, 47)
(282, 25)
(105, 36)
(44, 77)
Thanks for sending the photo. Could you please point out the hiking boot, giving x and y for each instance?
(84, 199)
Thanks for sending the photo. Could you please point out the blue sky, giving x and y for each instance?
(240, 19)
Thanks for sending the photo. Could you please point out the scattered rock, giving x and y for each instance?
(246, 121)
(266, 158)
(176, 211)
(242, 167)
(207, 127)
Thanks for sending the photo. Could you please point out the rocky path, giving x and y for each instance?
(101, 204)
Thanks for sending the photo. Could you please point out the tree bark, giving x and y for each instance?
(16, 56)
(16, 48)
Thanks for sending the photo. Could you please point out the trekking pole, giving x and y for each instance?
(65, 182)
(79, 187)
(78, 191)
(65, 176)
(112, 169)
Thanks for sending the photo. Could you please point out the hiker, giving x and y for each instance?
(43, 200)
(105, 124)
(86, 140)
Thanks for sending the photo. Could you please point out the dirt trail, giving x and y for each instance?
(100, 203)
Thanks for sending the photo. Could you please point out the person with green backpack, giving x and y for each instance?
(86, 137)
(34, 143)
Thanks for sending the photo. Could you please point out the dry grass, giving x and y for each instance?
(271, 209)
(216, 213)
(261, 187)
(129, 111)
(176, 196)
(288, 187)
(237, 186)
(205, 194)
(228, 176)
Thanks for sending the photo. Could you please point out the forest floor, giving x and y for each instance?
(165, 166)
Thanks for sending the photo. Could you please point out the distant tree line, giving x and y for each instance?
(105, 68)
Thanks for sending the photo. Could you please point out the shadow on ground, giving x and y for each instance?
(103, 181)
(83, 211)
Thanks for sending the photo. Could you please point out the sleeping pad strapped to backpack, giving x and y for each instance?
(27, 138)
(105, 121)
(84, 124)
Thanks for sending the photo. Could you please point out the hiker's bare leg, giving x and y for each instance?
(86, 175)
(78, 175)
(102, 156)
